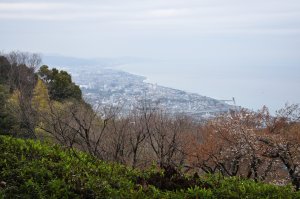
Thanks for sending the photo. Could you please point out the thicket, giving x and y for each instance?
(26, 90)
(31, 169)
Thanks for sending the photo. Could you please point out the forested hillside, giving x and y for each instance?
(66, 148)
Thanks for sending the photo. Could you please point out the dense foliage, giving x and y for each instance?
(31, 169)
(60, 84)
(25, 95)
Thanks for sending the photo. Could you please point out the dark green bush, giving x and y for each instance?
(31, 169)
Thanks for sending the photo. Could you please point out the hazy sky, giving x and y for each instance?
(219, 48)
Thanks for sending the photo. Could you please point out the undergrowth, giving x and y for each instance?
(31, 169)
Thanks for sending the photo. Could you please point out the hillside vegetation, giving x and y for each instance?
(94, 152)
(31, 169)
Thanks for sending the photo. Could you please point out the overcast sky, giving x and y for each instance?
(219, 48)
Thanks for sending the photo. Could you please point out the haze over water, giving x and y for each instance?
(251, 89)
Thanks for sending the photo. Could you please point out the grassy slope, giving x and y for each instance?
(30, 169)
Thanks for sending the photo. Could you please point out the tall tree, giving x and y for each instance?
(59, 84)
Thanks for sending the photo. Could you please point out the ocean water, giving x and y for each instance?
(252, 87)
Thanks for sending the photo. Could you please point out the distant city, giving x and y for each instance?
(107, 86)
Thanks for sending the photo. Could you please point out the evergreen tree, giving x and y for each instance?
(59, 84)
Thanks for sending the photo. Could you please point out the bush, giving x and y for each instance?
(31, 169)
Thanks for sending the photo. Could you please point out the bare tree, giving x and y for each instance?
(22, 80)
(230, 145)
(117, 140)
(282, 141)
(77, 125)
(31, 60)
(165, 137)
(139, 123)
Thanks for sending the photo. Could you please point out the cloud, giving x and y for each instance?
(205, 16)
(16, 7)
(163, 13)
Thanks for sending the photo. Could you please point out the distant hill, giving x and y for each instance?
(67, 61)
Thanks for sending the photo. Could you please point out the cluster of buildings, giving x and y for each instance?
(119, 88)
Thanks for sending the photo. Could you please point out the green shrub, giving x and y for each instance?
(32, 169)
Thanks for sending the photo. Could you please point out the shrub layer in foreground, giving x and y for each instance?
(31, 169)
